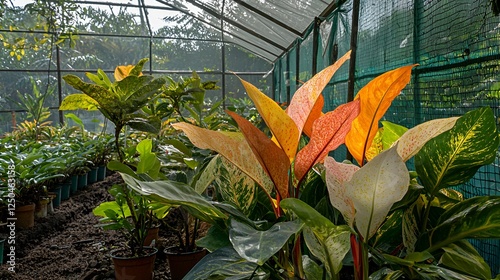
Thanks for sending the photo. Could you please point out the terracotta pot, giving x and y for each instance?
(152, 235)
(25, 216)
(138, 268)
(181, 263)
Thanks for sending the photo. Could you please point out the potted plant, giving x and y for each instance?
(132, 214)
(379, 207)
(121, 102)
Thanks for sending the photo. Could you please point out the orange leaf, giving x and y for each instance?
(316, 112)
(280, 124)
(304, 99)
(376, 98)
(273, 159)
(122, 71)
(329, 132)
(232, 146)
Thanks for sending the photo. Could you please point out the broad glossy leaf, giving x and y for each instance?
(234, 186)
(432, 272)
(110, 205)
(477, 217)
(316, 112)
(454, 156)
(122, 71)
(101, 95)
(272, 158)
(151, 124)
(389, 235)
(230, 145)
(376, 97)
(259, 246)
(336, 176)
(414, 139)
(215, 239)
(329, 132)
(281, 125)
(328, 242)
(78, 101)
(462, 256)
(224, 263)
(176, 193)
(374, 188)
(137, 69)
(305, 98)
(311, 268)
(386, 273)
(392, 132)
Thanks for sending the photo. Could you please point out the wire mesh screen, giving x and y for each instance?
(456, 46)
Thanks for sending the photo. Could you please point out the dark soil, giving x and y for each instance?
(68, 245)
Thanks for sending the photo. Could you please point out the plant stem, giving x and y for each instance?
(297, 259)
(364, 259)
(426, 214)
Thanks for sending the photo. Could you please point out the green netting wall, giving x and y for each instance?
(455, 43)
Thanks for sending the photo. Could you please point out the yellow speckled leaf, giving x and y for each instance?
(376, 98)
(281, 125)
(414, 139)
(121, 72)
(232, 146)
(315, 114)
(304, 99)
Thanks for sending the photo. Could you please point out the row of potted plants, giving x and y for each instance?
(49, 168)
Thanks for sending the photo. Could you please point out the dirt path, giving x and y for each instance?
(68, 245)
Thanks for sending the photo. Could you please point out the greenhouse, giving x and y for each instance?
(249, 139)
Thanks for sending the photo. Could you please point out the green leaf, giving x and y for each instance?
(215, 239)
(477, 217)
(115, 165)
(311, 268)
(461, 256)
(258, 246)
(389, 235)
(391, 133)
(454, 156)
(145, 146)
(176, 193)
(179, 145)
(224, 263)
(145, 125)
(328, 242)
(103, 210)
(386, 273)
(78, 101)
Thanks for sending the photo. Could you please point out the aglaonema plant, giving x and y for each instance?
(280, 169)
(119, 101)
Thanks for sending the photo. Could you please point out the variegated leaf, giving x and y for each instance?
(328, 133)
(374, 188)
(272, 158)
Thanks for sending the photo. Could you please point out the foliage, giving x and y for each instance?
(376, 198)
(120, 101)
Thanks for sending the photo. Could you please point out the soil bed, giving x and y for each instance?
(68, 245)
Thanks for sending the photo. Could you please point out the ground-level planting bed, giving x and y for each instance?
(68, 245)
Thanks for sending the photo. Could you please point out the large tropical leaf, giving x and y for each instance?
(272, 158)
(336, 176)
(477, 217)
(281, 125)
(328, 242)
(177, 193)
(462, 256)
(328, 133)
(234, 186)
(259, 246)
(101, 95)
(376, 97)
(370, 192)
(316, 112)
(305, 98)
(78, 101)
(454, 156)
(232, 146)
(224, 263)
(414, 139)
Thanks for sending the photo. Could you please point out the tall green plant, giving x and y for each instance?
(120, 101)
